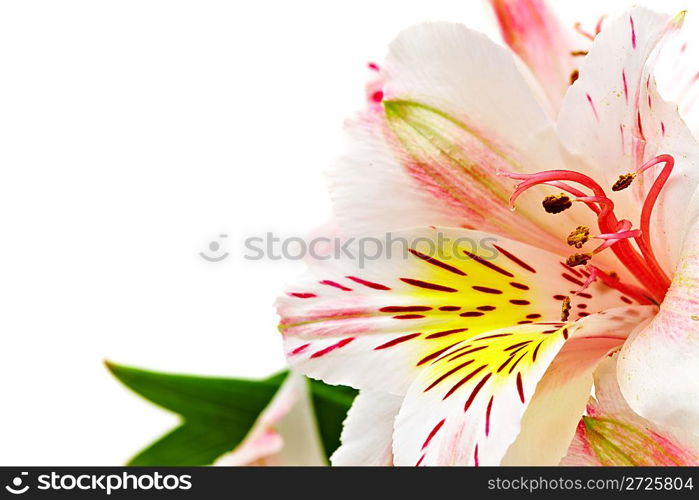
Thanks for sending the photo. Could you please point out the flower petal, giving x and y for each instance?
(373, 323)
(658, 365)
(285, 433)
(677, 71)
(456, 111)
(613, 119)
(612, 434)
(367, 434)
(467, 409)
(532, 31)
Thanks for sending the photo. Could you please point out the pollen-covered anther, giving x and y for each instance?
(574, 75)
(578, 259)
(565, 309)
(557, 203)
(623, 182)
(579, 236)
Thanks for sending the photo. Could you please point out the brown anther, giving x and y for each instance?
(613, 275)
(565, 309)
(575, 53)
(578, 259)
(623, 182)
(574, 76)
(556, 203)
(579, 236)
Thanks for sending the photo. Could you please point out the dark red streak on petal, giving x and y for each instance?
(338, 345)
(447, 374)
(516, 362)
(515, 259)
(463, 381)
(486, 308)
(520, 390)
(396, 309)
(572, 280)
(507, 361)
(438, 335)
(471, 314)
(409, 316)
(475, 391)
(520, 286)
(489, 265)
(575, 272)
(299, 349)
(450, 308)
(487, 416)
(436, 262)
(397, 341)
(486, 289)
(430, 357)
(303, 295)
(370, 284)
(520, 302)
(515, 346)
(433, 432)
(475, 349)
(336, 285)
(427, 285)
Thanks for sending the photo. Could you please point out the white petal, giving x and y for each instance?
(367, 434)
(373, 324)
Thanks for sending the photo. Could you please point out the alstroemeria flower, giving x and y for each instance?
(285, 433)
(489, 359)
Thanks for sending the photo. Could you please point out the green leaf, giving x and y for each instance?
(217, 413)
(331, 403)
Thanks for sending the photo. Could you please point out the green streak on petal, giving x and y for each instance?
(438, 141)
(617, 443)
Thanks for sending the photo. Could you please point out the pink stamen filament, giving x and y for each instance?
(632, 291)
(611, 239)
(620, 235)
(578, 27)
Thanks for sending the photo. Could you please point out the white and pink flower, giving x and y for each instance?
(464, 358)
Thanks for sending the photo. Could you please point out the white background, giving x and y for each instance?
(133, 133)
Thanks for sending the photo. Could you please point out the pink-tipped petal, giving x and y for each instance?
(612, 434)
(531, 30)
